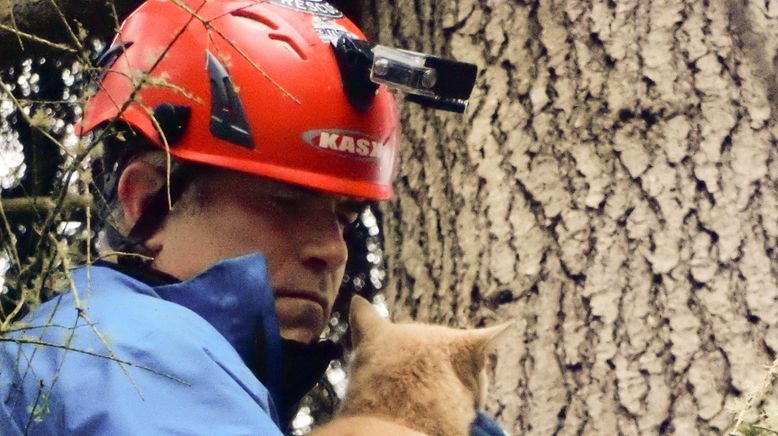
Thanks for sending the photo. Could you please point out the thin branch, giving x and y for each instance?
(7, 225)
(168, 162)
(61, 363)
(89, 245)
(756, 395)
(67, 26)
(82, 313)
(13, 23)
(115, 16)
(126, 104)
(31, 122)
(122, 253)
(25, 206)
(243, 54)
(33, 101)
(19, 304)
(38, 327)
(38, 24)
(78, 159)
(66, 266)
(93, 354)
(34, 406)
(38, 39)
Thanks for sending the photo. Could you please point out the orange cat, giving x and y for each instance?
(411, 379)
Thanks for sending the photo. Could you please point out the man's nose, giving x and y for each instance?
(323, 246)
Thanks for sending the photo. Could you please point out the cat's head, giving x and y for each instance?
(412, 367)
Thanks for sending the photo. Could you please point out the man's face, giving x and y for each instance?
(299, 231)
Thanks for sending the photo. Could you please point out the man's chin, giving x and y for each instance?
(305, 336)
(300, 320)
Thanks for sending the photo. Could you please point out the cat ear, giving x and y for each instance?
(363, 318)
(468, 357)
(474, 345)
(486, 338)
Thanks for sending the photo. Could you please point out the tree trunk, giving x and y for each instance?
(613, 186)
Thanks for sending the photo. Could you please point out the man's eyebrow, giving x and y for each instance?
(357, 205)
(354, 205)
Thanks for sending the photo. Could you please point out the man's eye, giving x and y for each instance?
(284, 202)
(348, 218)
(350, 211)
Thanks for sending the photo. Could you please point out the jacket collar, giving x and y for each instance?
(235, 297)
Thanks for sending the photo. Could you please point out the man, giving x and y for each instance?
(266, 141)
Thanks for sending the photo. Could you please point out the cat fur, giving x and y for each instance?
(411, 379)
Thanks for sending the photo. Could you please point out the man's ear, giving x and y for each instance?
(136, 187)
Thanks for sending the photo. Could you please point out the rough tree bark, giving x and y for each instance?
(613, 186)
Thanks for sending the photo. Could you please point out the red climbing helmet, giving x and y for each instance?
(253, 86)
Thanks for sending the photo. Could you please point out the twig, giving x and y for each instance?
(39, 39)
(67, 26)
(66, 266)
(93, 354)
(168, 162)
(34, 406)
(20, 304)
(82, 314)
(108, 254)
(89, 248)
(13, 23)
(243, 54)
(114, 121)
(755, 396)
(33, 101)
(22, 206)
(37, 327)
(32, 123)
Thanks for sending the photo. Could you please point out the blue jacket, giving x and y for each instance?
(143, 360)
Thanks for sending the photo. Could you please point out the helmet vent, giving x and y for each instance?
(228, 119)
(109, 55)
(106, 60)
(289, 44)
(261, 19)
